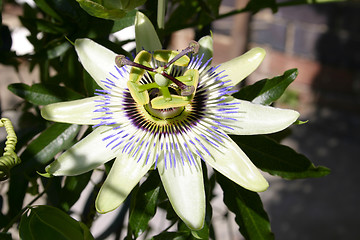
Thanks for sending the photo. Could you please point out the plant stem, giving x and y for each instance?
(161, 13)
(22, 211)
(280, 4)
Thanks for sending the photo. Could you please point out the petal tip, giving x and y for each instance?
(45, 113)
(195, 225)
(104, 205)
(261, 187)
(52, 168)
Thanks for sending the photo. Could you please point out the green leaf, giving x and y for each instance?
(144, 204)
(127, 21)
(73, 187)
(267, 91)
(211, 7)
(97, 10)
(278, 159)
(57, 49)
(89, 84)
(5, 235)
(50, 142)
(50, 27)
(43, 5)
(46, 222)
(195, 234)
(43, 94)
(53, 190)
(248, 208)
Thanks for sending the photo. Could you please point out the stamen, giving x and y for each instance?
(185, 89)
(192, 48)
(121, 60)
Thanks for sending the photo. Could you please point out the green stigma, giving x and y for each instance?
(171, 91)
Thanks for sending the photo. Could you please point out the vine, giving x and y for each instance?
(9, 158)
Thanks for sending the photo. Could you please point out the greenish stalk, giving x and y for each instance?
(299, 2)
(281, 4)
(161, 14)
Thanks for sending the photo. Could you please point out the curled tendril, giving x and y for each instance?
(9, 158)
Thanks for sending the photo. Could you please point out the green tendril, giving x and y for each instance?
(9, 158)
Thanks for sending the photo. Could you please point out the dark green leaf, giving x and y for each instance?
(49, 27)
(256, 5)
(73, 187)
(171, 235)
(53, 190)
(46, 222)
(187, 10)
(278, 159)
(89, 84)
(3, 235)
(43, 94)
(127, 21)
(43, 5)
(267, 91)
(211, 7)
(248, 208)
(143, 208)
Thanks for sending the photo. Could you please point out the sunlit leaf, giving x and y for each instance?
(277, 159)
(267, 91)
(109, 9)
(248, 208)
(50, 142)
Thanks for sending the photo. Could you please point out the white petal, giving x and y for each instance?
(233, 163)
(96, 59)
(239, 68)
(125, 173)
(84, 156)
(145, 34)
(259, 119)
(75, 112)
(185, 188)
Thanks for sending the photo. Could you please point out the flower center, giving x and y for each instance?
(161, 81)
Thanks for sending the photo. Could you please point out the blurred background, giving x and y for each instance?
(323, 42)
